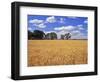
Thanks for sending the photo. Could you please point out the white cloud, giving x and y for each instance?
(62, 32)
(75, 32)
(86, 21)
(78, 35)
(80, 27)
(51, 19)
(41, 25)
(68, 28)
(36, 21)
(62, 20)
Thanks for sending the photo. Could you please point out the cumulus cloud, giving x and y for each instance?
(76, 34)
(51, 19)
(69, 28)
(80, 27)
(36, 21)
(86, 21)
(74, 30)
(41, 25)
(62, 20)
(62, 32)
(79, 36)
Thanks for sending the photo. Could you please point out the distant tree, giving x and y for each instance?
(62, 37)
(51, 36)
(48, 36)
(67, 36)
(30, 35)
(37, 34)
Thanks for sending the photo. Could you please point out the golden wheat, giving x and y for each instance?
(57, 52)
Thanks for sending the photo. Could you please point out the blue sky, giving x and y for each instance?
(77, 26)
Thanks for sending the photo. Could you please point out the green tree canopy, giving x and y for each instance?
(37, 34)
(51, 36)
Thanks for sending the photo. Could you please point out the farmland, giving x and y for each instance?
(57, 52)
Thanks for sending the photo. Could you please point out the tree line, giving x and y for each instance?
(40, 35)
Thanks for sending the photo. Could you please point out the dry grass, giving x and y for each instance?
(57, 52)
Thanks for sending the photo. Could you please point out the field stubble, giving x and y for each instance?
(57, 52)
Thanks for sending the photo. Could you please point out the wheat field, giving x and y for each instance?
(57, 52)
